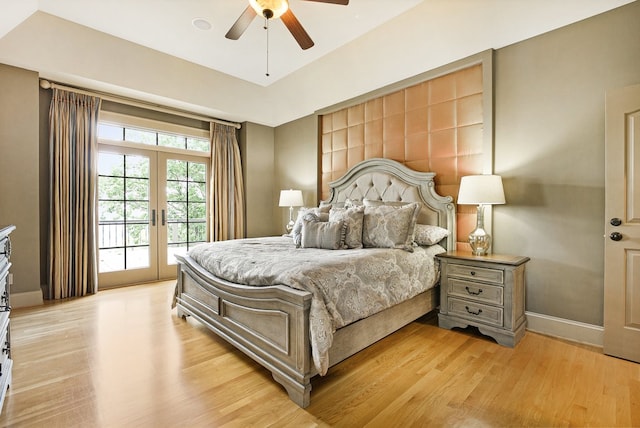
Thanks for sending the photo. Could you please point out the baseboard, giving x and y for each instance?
(575, 331)
(26, 299)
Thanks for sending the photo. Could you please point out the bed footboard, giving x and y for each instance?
(269, 324)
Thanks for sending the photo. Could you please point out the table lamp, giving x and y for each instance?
(290, 198)
(481, 190)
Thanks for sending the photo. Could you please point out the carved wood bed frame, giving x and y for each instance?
(271, 324)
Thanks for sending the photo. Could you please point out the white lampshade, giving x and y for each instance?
(291, 198)
(481, 189)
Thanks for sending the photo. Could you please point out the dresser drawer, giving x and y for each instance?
(476, 311)
(476, 291)
(4, 350)
(495, 276)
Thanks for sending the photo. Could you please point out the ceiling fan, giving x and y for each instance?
(274, 9)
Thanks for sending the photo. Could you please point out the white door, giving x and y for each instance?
(622, 224)
(151, 206)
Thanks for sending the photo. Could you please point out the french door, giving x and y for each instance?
(151, 206)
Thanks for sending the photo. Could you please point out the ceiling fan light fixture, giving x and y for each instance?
(270, 9)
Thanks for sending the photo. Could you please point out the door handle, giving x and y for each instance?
(164, 220)
(153, 217)
(615, 221)
(615, 236)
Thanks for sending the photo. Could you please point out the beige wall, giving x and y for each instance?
(19, 178)
(296, 164)
(257, 151)
(549, 147)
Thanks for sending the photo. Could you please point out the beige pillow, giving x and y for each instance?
(353, 219)
(322, 213)
(389, 226)
(427, 234)
(328, 235)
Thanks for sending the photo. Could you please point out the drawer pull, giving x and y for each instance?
(473, 273)
(472, 312)
(6, 348)
(473, 293)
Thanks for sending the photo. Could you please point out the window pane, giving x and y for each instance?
(168, 140)
(177, 232)
(111, 260)
(199, 144)
(176, 170)
(140, 136)
(137, 257)
(176, 191)
(173, 249)
(197, 211)
(176, 211)
(196, 232)
(111, 235)
(111, 211)
(137, 211)
(110, 132)
(110, 164)
(137, 234)
(137, 166)
(137, 189)
(110, 188)
(197, 172)
(197, 192)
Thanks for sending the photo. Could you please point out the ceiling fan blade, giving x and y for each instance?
(295, 28)
(342, 2)
(241, 24)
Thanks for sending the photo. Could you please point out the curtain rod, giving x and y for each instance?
(46, 84)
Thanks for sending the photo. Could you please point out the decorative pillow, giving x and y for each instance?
(388, 226)
(328, 235)
(296, 232)
(353, 219)
(426, 234)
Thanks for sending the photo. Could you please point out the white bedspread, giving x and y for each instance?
(346, 285)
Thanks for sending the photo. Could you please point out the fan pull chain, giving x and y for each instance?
(266, 27)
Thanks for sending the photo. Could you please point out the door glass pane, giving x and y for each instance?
(123, 212)
(186, 206)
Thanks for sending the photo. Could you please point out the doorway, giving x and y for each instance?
(622, 224)
(152, 205)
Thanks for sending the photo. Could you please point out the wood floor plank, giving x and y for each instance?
(122, 358)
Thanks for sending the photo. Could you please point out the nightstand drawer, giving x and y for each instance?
(475, 311)
(495, 276)
(476, 291)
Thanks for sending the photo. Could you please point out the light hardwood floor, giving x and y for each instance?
(122, 358)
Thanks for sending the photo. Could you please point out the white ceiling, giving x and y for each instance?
(358, 48)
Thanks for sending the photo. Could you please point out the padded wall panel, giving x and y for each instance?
(435, 125)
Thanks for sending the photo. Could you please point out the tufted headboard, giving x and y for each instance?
(388, 180)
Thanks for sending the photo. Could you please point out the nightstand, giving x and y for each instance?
(487, 292)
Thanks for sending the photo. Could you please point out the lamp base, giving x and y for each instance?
(480, 242)
(479, 239)
(289, 226)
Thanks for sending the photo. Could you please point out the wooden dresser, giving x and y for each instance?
(487, 292)
(5, 311)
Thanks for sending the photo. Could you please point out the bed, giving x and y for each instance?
(277, 325)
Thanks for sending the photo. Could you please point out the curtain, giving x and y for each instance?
(72, 261)
(227, 188)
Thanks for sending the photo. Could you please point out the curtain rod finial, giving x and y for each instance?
(45, 84)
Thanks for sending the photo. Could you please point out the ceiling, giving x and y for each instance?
(358, 48)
